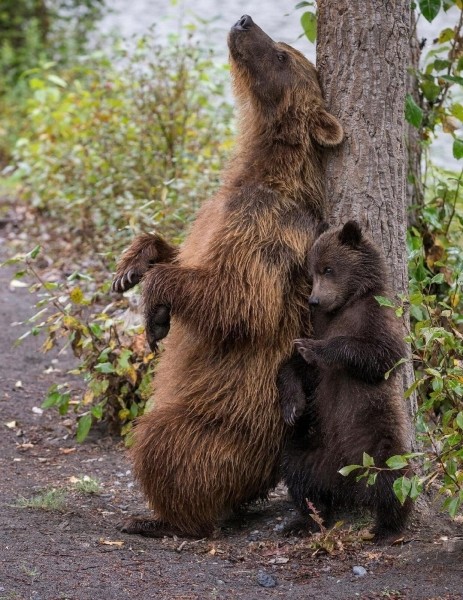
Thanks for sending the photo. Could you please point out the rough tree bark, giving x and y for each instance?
(363, 50)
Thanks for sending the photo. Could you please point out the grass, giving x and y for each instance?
(53, 500)
(87, 485)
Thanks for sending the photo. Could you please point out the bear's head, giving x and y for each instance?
(344, 265)
(280, 86)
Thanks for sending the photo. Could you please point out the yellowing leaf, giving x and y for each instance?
(48, 344)
(450, 124)
(88, 397)
(131, 375)
(123, 414)
(76, 295)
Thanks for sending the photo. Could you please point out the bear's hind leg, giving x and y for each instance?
(158, 529)
(391, 515)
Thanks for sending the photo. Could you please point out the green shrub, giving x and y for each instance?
(111, 152)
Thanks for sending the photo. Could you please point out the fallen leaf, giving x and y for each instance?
(119, 544)
(74, 479)
(25, 446)
(18, 385)
(66, 450)
(11, 424)
(15, 283)
(398, 541)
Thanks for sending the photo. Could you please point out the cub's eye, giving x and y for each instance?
(327, 270)
(281, 56)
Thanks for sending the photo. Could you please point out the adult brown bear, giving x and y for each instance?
(237, 293)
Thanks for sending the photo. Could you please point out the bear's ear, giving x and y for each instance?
(321, 228)
(326, 129)
(351, 234)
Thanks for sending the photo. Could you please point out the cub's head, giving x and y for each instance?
(279, 85)
(344, 265)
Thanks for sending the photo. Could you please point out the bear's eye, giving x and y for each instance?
(327, 271)
(281, 56)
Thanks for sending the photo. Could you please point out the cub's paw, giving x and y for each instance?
(301, 527)
(157, 325)
(306, 348)
(292, 402)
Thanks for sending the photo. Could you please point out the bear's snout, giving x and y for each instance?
(244, 23)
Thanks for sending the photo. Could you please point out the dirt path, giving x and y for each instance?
(77, 553)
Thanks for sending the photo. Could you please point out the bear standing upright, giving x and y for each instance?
(236, 291)
(353, 409)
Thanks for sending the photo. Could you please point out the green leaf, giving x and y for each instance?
(346, 470)
(402, 487)
(452, 505)
(439, 278)
(430, 90)
(97, 411)
(452, 79)
(417, 487)
(57, 80)
(106, 367)
(459, 420)
(52, 399)
(309, 25)
(429, 8)
(457, 111)
(457, 148)
(396, 462)
(372, 478)
(83, 427)
(383, 301)
(368, 461)
(446, 35)
(34, 253)
(413, 113)
(303, 4)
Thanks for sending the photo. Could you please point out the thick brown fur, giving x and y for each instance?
(237, 293)
(354, 409)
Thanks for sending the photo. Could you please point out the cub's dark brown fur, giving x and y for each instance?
(236, 292)
(353, 409)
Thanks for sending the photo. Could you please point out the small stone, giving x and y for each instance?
(266, 580)
(359, 571)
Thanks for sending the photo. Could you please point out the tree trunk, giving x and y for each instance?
(362, 56)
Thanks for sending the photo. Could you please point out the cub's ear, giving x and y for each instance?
(321, 228)
(351, 234)
(326, 129)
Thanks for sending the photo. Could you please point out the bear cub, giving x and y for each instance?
(338, 400)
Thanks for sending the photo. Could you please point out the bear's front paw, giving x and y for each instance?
(127, 279)
(157, 325)
(306, 348)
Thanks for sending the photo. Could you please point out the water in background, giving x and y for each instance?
(278, 19)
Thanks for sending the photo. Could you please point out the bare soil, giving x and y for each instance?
(77, 552)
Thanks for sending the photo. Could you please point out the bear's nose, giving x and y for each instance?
(314, 301)
(244, 23)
